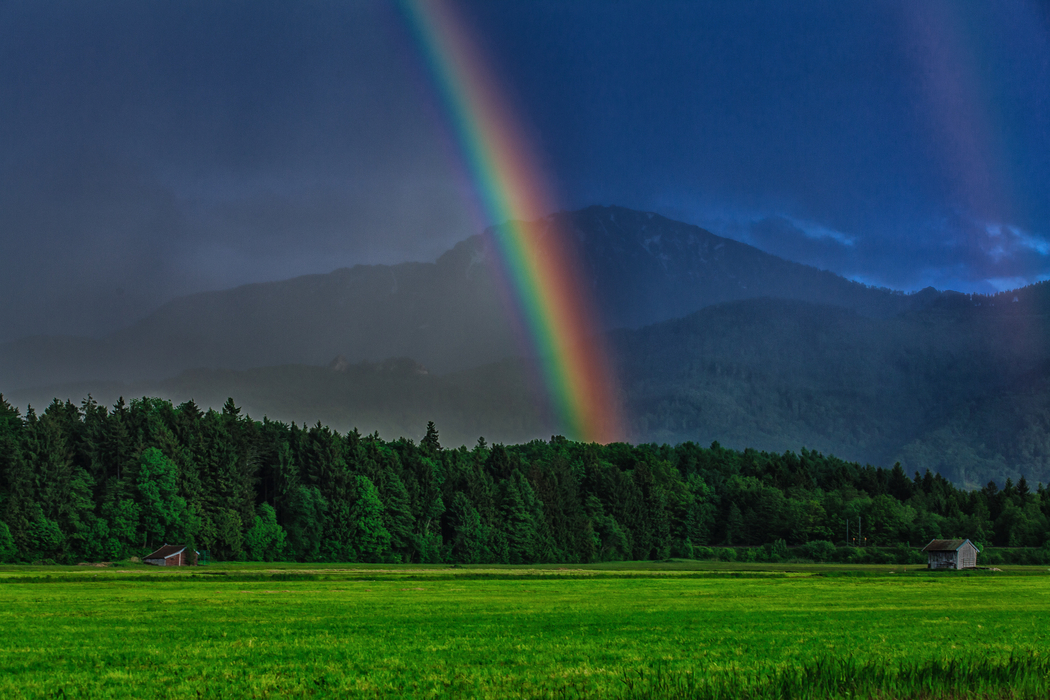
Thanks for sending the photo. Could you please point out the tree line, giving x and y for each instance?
(94, 483)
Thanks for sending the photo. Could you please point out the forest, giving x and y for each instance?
(91, 483)
(959, 387)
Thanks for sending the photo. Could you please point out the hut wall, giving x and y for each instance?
(942, 560)
(967, 557)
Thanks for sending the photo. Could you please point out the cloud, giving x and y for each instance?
(1007, 242)
(950, 251)
(162, 151)
(799, 239)
(165, 148)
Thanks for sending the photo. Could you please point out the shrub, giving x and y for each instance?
(727, 554)
(990, 557)
(850, 555)
(818, 550)
(683, 549)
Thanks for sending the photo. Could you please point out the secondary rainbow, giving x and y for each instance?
(537, 260)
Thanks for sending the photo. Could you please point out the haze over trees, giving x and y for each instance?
(95, 483)
(713, 340)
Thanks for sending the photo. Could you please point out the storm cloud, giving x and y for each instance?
(151, 150)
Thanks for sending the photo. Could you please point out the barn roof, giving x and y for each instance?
(167, 551)
(946, 545)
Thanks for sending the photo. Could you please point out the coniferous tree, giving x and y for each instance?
(84, 482)
(371, 539)
(468, 537)
(8, 551)
(307, 513)
(397, 517)
(61, 488)
(734, 525)
(518, 527)
(16, 485)
(163, 510)
(430, 442)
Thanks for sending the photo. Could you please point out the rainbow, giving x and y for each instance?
(536, 260)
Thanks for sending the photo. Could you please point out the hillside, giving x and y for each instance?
(778, 356)
(959, 388)
(395, 397)
(645, 268)
(448, 315)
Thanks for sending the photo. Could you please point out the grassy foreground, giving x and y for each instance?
(637, 631)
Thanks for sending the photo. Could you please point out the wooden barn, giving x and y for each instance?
(951, 554)
(172, 555)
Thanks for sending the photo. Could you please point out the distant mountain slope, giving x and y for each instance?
(393, 397)
(448, 315)
(645, 268)
(959, 389)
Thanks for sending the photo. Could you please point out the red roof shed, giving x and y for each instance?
(172, 555)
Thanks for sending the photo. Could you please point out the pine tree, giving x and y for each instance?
(468, 540)
(16, 478)
(397, 516)
(62, 489)
(8, 551)
(117, 448)
(430, 442)
(163, 509)
(734, 525)
(230, 409)
(307, 514)
(370, 537)
(516, 524)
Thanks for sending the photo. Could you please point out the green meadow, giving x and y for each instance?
(688, 629)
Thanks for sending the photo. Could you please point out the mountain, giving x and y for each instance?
(365, 313)
(645, 268)
(448, 315)
(961, 387)
(395, 397)
(713, 340)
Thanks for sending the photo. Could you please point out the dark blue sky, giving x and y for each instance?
(155, 149)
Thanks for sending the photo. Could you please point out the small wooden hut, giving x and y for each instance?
(172, 555)
(951, 554)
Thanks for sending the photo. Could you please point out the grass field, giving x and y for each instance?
(686, 629)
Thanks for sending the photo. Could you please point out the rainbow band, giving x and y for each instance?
(537, 260)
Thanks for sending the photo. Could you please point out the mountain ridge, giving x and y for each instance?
(960, 389)
(449, 315)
